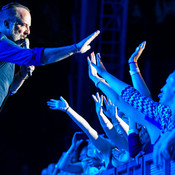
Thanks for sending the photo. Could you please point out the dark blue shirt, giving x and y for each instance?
(11, 54)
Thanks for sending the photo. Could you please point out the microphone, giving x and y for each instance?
(26, 44)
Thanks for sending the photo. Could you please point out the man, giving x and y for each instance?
(15, 22)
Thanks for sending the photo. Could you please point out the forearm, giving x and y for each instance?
(110, 131)
(137, 80)
(123, 126)
(104, 121)
(82, 123)
(126, 108)
(116, 84)
(17, 83)
(52, 55)
(66, 164)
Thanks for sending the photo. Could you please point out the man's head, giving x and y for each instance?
(15, 21)
(167, 95)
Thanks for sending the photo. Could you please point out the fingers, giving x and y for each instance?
(78, 132)
(101, 103)
(91, 37)
(143, 45)
(63, 100)
(105, 100)
(98, 96)
(93, 58)
(95, 98)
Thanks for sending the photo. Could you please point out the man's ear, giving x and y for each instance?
(6, 24)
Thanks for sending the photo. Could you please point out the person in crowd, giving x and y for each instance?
(135, 105)
(139, 140)
(103, 144)
(81, 158)
(15, 23)
(70, 161)
(164, 149)
(115, 128)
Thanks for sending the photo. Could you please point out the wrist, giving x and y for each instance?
(99, 81)
(132, 72)
(66, 110)
(76, 50)
(133, 131)
(132, 62)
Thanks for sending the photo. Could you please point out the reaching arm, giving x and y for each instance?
(112, 112)
(51, 55)
(65, 163)
(136, 76)
(119, 141)
(100, 143)
(128, 109)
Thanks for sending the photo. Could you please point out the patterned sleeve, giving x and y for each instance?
(151, 109)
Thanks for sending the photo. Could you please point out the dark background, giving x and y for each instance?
(33, 136)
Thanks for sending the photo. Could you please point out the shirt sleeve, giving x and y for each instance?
(151, 109)
(11, 52)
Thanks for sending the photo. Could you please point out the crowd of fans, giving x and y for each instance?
(133, 124)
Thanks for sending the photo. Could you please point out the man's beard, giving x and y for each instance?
(16, 38)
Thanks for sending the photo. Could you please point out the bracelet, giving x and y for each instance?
(133, 131)
(132, 62)
(134, 72)
(66, 109)
(76, 51)
(99, 82)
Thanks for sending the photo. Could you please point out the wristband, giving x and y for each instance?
(99, 82)
(132, 62)
(66, 109)
(133, 131)
(134, 72)
(76, 49)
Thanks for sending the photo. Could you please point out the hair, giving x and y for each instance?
(9, 11)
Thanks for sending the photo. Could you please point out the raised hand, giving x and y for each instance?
(121, 155)
(84, 45)
(75, 142)
(93, 161)
(111, 110)
(92, 71)
(135, 56)
(58, 104)
(97, 63)
(25, 70)
(98, 103)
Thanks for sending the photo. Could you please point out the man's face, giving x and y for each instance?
(21, 28)
(167, 91)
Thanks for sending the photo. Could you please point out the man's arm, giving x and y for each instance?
(20, 78)
(51, 55)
